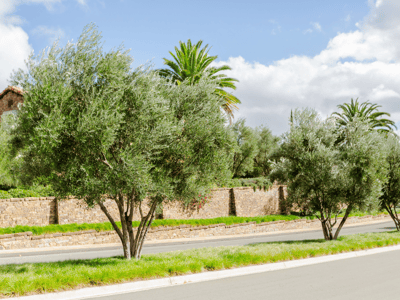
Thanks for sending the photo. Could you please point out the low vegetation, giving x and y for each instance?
(106, 226)
(18, 280)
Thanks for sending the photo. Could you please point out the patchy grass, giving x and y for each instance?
(18, 280)
(39, 230)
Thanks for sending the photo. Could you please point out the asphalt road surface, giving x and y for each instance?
(90, 253)
(372, 277)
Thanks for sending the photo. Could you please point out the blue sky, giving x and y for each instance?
(262, 31)
(286, 54)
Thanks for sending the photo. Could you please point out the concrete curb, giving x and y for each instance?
(205, 276)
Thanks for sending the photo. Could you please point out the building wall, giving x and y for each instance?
(221, 203)
(9, 102)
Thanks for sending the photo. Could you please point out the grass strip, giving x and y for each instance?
(39, 230)
(18, 280)
(49, 229)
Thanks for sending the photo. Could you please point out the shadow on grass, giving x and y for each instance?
(97, 262)
(302, 242)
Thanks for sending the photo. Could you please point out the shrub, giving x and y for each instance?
(43, 191)
(4, 195)
(19, 193)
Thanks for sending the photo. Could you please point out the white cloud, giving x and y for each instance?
(362, 64)
(51, 33)
(315, 27)
(14, 48)
(277, 28)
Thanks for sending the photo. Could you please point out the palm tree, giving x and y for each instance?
(365, 111)
(191, 63)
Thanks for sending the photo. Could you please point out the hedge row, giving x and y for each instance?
(38, 191)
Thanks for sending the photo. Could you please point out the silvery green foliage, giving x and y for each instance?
(92, 127)
(390, 198)
(326, 173)
(364, 159)
(246, 148)
(8, 164)
(267, 145)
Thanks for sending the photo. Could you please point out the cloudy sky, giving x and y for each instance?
(285, 54)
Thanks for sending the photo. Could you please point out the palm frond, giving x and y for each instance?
(190, 62)
(365, 111)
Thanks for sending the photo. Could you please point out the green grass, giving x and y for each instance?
(38, 230)
(49, 229)
(18, 280)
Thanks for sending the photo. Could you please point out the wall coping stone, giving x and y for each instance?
(21, 233)
(6, 236)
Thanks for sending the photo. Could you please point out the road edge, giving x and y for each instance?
(137, 286)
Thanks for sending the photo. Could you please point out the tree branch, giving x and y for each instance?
(104, 161)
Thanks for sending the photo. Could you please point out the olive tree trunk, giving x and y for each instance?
(391, 209)
(132, 239)
(328, 225)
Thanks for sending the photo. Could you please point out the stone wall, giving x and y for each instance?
(27, 211)
(221, 203)
(216, 206)
(91, 237)
(250, 203)
(76, 211)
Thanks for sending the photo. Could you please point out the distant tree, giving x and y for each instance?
(8, 164)
(98, 130)
(364, 111)
(390, 198)
(267, 144)
(325, 178)
(191, 62)
(246, 149)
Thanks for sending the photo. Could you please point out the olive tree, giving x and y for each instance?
(246, 148)
(390, 198)
(98, 130)
(267, 144)
(363, 157)
(324, 177)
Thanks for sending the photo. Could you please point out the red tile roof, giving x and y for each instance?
(14, 89)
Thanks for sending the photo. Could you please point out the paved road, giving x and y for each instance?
(87, 253)
(369, 277)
